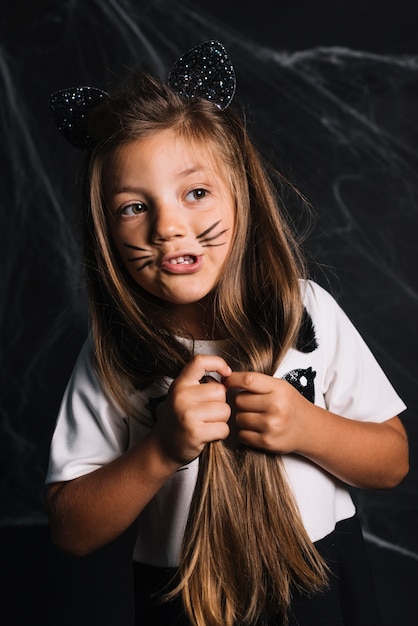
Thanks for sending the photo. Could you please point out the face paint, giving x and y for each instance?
(171, 204)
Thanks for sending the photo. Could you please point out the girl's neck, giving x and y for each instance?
(195, 321)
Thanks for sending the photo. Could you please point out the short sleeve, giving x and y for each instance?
(90, 430)
(354, 384)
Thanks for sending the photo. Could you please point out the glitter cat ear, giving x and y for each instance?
(206, 72)
(70, 109)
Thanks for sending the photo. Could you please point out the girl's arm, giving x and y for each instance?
(274, 416)
(88, 512)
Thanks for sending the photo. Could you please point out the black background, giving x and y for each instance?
(331, 94)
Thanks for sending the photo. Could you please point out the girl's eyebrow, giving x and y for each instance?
(184, 173)
(127, 189)
(194, 170)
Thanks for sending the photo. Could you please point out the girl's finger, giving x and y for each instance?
(205, 365)
(253, 382)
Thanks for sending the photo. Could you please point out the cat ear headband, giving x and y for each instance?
(204, 71)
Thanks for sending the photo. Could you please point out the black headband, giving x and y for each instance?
(204, 71)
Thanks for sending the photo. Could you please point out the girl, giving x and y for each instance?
(237, 486)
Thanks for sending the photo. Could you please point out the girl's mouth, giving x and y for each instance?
(184, 260)
(182, 264)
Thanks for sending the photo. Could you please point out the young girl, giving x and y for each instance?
(223, 400)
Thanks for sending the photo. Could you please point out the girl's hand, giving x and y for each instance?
(273, 416)
(194, 414)
(270, 413)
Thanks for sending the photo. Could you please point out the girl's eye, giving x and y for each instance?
(136, 208)
(197, 194)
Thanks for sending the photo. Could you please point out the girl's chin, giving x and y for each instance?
(185, 296)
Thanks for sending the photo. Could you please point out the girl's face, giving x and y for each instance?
(172, 217)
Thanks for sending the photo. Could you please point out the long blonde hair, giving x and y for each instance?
(245, 547)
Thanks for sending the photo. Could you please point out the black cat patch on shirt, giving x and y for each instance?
(303, 381)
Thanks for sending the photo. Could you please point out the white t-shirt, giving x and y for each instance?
(338, 372)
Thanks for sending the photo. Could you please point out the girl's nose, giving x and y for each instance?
(167, 223)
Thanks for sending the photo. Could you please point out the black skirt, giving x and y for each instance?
(350, 599)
